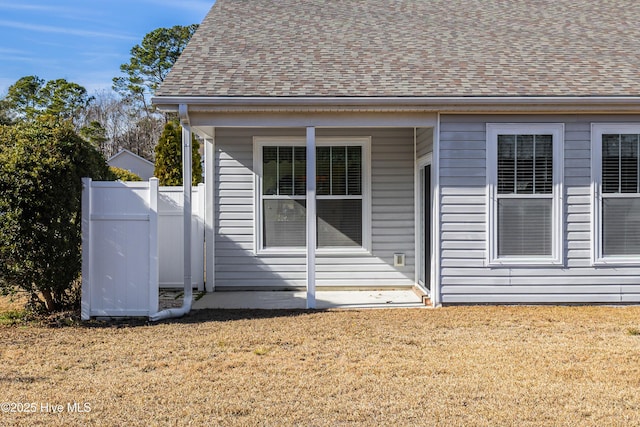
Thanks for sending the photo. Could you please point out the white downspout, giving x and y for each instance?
(186, 185)
(311, 217)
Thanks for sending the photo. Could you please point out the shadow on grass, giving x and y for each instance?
(200, 316)
(21, 379)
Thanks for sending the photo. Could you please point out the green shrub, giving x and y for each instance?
(41, 166)
(168, 168)
(12, 317)
(123, 174)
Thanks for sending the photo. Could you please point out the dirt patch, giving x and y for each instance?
(451, 366)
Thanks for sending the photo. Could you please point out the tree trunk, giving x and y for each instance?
(48, 300)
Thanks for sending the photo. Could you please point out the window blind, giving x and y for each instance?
(620, 226)
(339, 222)
(525, 227)
(284, 223)
(525, 164)
(620, 163)
(284, 171)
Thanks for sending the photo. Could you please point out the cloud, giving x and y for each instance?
(31, 7)
(15, 55)
(12, 51)
(202, 6)
(64, 30)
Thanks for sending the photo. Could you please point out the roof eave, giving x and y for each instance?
(515, 104)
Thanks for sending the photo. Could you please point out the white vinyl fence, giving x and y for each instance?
(132, 236)
(171, 237)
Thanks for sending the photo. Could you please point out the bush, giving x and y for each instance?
(41, 166)
(168, 168)
(123, 174)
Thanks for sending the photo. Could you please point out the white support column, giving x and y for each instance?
(419, 258)
(436, 286)
(200, 237)
(311, 217)
(209, 213)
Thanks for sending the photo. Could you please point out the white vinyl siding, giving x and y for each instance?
(238, 266)
(466, 276)
(616, 193)
(424, 142)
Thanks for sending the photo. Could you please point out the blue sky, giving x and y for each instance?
(83, 41)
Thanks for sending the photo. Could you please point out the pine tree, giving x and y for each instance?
(168, 167)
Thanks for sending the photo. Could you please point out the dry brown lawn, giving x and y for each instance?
(451, 366)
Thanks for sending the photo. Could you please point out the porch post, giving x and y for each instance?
(311, 217)
(209, 232)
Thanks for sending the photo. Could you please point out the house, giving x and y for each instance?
(125, 159)
(484, 151)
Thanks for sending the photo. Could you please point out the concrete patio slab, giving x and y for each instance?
(296, 300)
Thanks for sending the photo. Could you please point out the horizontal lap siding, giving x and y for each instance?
(392, 217)
(424, 141)
(392, 174)
(465, 278)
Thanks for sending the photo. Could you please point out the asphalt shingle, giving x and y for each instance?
(408, 48)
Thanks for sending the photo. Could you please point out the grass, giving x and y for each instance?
(452, 366)
(12, 310)
(11, 317)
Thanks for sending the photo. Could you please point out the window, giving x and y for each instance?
(341, 194)
(616, 185)
(524, 169)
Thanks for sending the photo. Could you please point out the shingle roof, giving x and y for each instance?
(405, 48)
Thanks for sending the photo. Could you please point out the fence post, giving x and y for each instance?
(154, 266)
(85, 311)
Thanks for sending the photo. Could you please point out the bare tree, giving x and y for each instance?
(124, 124)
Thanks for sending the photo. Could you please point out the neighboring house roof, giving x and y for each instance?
(130, 161)
(412, 48)
(126, 153)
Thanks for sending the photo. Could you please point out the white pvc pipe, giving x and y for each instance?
(186, 186)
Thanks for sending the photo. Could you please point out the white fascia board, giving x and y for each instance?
(603, 104)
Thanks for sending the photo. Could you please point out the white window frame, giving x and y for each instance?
(557, 231)
(597, 130)
(364, 142)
